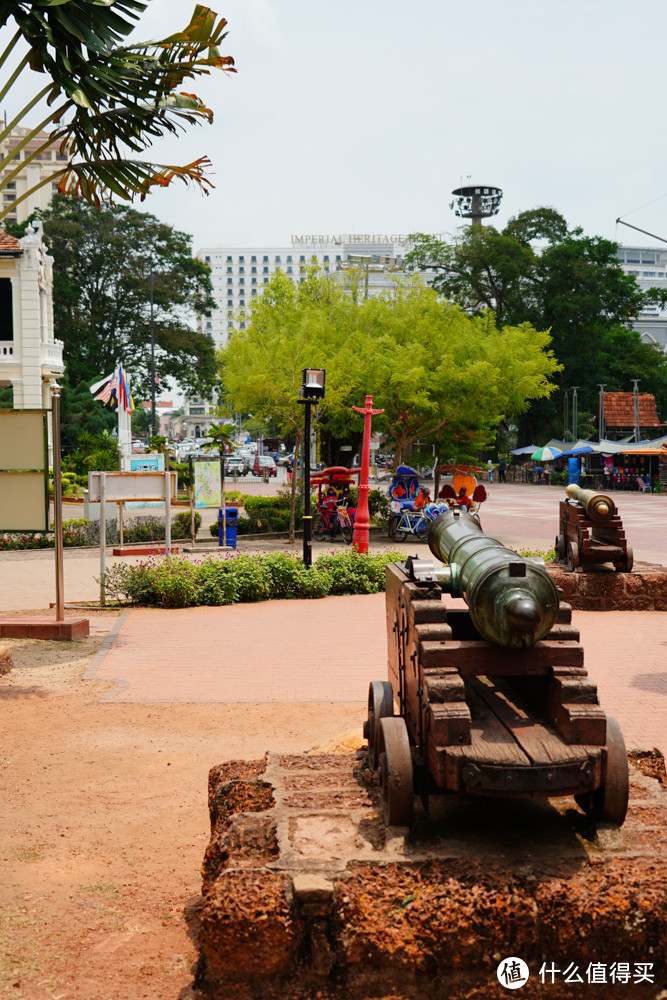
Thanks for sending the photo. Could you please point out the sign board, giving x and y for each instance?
(24, 471)
(207, 484)
(132, 485)
(149, 462)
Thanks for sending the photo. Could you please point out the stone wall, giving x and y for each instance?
(601, 588)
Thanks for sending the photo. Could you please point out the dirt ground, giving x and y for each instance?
(104, 823)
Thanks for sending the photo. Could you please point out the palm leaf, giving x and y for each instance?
(127, 179)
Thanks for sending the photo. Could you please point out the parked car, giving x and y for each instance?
(264, 464)
(285, 458)
(235, 464)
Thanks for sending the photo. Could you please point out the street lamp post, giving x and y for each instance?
(312, 388)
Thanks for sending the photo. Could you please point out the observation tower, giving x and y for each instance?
(476, 202)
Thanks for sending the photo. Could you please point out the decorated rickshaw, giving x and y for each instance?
(464, 490)
(334, 507)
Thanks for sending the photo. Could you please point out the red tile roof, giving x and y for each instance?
(619, 410)
(9, 244)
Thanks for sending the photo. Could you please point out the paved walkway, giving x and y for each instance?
(330, 650)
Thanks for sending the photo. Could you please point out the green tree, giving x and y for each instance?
(444, 377)
(104, 98)
(538, 271)
(309, 325)
(101, 296)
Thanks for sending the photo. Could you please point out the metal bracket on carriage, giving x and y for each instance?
(424, 572)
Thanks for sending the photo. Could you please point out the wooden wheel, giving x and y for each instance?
(572, 556)
(380, 706)
(609, 802)
(628, 562)
(560, 546)
(396, 777)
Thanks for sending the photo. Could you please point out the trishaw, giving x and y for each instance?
(464, 490)
(334, 507)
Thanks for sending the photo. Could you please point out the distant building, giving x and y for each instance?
(240, 274)
(619, 415)
(32, 172)
(649, 266)
(195, 420)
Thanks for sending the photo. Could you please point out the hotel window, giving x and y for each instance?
(206, 258)
(265, 260)
(277, 259)
(302, 259)
(242, 302)
(338, 258)
(230, 302)
(254, 291)
(289, 259)
(265, 270)
(241, 259)
(230, 270)
(253, 270)
(253, 281)
(326, 258)
(289, 270)
(266, 281)
(229, 259)
(253, 259)
(230, 281)
(242, 270)
(241, 281)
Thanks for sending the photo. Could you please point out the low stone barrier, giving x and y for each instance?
(307, 894)
(601, 588)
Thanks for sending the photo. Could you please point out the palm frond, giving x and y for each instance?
(127, 179)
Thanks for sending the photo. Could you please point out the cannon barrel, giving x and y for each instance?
(512, 601)
(599, 507)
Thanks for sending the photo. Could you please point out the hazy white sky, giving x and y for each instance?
(361, 116)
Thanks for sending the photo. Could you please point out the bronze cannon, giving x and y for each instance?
(590, 531)
(492, 698)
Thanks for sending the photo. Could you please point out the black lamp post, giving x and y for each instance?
(153, 423)
(312, 388)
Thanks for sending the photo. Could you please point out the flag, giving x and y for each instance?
(125, 400)
(106, 390)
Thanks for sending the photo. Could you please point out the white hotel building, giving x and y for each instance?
(649, 266)
(240, 274)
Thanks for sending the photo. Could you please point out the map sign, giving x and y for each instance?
(153, 462)
(207, 484)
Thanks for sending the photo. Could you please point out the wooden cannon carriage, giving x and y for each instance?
(492, 699)
(591, 531)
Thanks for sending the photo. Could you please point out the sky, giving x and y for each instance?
(363, 115)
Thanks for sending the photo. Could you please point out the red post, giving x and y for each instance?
(362, 519)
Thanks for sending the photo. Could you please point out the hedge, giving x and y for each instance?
(226, 579)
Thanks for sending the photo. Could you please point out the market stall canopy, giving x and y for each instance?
(528, 450)
(581, 448)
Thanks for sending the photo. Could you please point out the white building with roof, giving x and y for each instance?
(649, 266)
(240, 274)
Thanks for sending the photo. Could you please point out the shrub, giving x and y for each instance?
(180, 524)
(178, 583)
(174, 583)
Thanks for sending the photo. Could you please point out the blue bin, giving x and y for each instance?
(232, 516)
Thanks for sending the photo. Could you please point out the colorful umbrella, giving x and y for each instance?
(546, 454)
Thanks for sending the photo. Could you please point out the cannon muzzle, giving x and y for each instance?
(599, 507)
(512, 601)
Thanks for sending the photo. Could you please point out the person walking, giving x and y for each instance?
(501, 471)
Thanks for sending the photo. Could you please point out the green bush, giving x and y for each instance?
(179, 583)
(180, 525)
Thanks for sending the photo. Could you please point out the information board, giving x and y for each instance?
(24, 471)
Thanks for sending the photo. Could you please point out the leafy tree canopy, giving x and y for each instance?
(102, 279)
(536, 270)
(437, 372)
